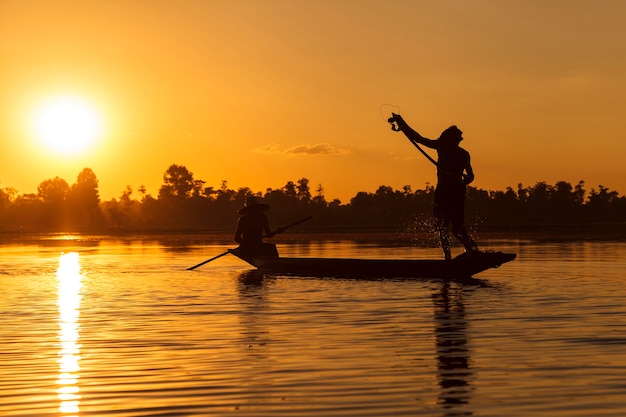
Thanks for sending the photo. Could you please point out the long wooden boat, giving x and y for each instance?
(463, 266)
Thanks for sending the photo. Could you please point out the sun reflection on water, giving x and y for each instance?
(69, 287)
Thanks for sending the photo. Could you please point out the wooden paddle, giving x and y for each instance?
(282, 229)
(191, 268)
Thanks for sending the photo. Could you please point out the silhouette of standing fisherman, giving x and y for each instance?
(454, 172)
(252, 227)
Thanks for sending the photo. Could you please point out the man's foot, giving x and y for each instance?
(469, 254)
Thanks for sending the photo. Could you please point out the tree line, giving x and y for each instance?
(185, 203)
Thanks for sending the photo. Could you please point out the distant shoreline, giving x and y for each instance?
(402, 237)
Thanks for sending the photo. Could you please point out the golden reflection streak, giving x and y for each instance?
(69, 287)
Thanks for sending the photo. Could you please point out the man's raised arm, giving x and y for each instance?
(410, 133)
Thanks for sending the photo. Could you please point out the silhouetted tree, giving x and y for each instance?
(185, 203)
(7, 197)
(319, 201)
(198, 188)
(290, 190)
(602, 204)
(52, 193)
(178, 183)
(303, 192)
(84, 201)
(25, 213)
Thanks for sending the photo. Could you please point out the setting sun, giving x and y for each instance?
(67, 125)
(225, 88)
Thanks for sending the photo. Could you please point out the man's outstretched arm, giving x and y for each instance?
(410, 133)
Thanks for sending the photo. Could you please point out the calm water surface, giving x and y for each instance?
(105, 327)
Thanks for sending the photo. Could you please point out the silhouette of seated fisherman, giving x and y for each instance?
(454, 173)
(252, 227)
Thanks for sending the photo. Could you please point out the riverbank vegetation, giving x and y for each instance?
(187, 204)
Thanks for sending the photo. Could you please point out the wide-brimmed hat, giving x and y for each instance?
(253, 204)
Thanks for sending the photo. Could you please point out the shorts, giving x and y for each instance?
(450, 203)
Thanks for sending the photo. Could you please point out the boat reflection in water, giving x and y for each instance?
(454, 372)
(69, 288)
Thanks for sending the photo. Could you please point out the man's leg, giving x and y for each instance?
(441, 225)
(461, 234)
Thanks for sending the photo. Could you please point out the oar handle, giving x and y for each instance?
(282, 229)
(435, 163)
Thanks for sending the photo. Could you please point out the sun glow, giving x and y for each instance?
(67, 125)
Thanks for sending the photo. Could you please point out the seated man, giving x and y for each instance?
(252, 227)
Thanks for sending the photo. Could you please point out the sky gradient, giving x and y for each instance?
(261, 92)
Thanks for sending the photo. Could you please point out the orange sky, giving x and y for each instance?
(261, 92)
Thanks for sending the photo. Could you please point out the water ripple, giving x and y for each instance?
(126, 331)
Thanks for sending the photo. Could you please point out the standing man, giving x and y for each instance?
(454, 172)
